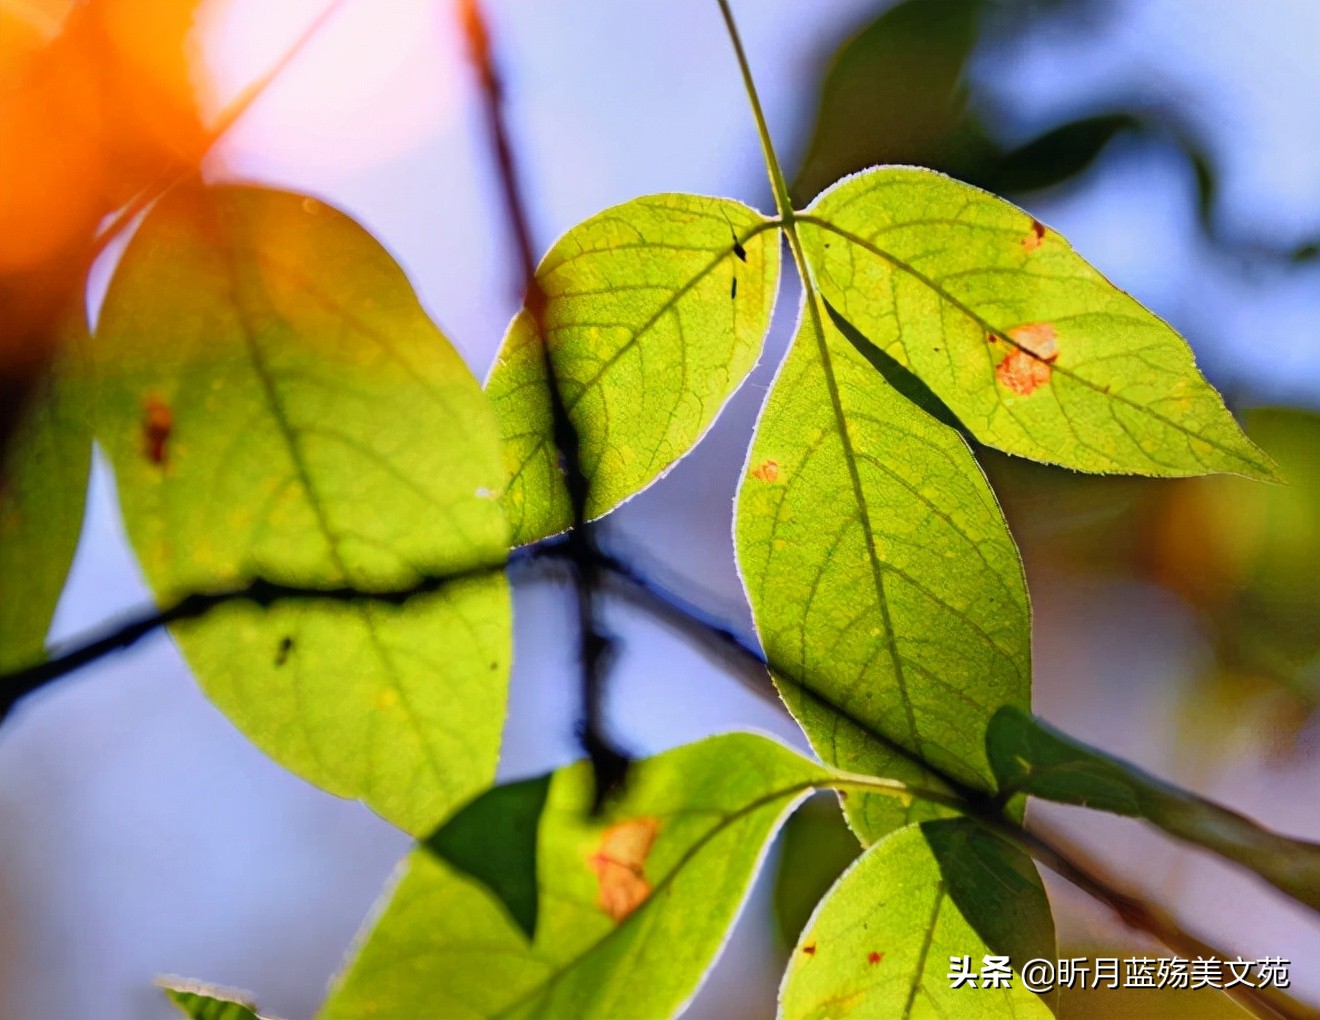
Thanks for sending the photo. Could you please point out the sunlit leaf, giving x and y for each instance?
(656, 310)
(883, 581)
(43, 486)
(1030, 757)
(200, 1002)
(276, 404)
(880, 943)
(1031, 348)
(633, 906)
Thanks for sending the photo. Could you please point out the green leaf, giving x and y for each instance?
(656, 311)
(1031, 757)
(680, 848)
(276, 404)
(815, 848)
(913, 55)
(43, 487)
(493, 839)
(880, 943)
(201, 1002)
(884, 585)
(1032, 349)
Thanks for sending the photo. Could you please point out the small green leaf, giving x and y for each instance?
(656, 311)
(493, 839)
(880, 943)
(202, 1002)
(883, 581)
(1033, 350)
(276, 404)
(1031, 757)
(633, 906)
(43, 487)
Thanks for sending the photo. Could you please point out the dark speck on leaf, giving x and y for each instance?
(809, 949)
(286, 646)
(733, 289)
(739, 250)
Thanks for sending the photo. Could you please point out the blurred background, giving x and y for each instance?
(1174, 142)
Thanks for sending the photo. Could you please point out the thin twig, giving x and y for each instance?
(596, 649)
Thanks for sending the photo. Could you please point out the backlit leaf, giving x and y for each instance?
(43, 487)
(879, 944)
(884, 585)
(276, 404)
(1032, 349)
(681, 845)
(655, 310)
(1030, 757)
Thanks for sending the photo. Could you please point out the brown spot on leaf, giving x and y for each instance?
(766, 471)
(282, 653)
(1036, 238)
(809, 949)
(619, 864)
(1029, 365)
(875, 958)
(157, 423)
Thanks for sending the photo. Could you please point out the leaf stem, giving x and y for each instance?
(777, 183)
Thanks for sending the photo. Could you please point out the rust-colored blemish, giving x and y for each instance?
(618, 863)
(1036, 238)
(157, 423)
(809, 949)
(1029, 365)
(766, 471)
(875, 958)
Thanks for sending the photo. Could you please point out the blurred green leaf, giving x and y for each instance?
(1056, 155)
(43, 488)
(199, 1002)
(894, 93)
(881, 941)
(633, 906)
(1031, 757)
(656, 311)
(1032, 349)
(884, 585)
(493, 839)
(276, 404)
(814, 850)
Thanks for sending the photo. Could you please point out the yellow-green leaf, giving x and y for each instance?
(655, 313)
(276, 404)
(43, 487)
(879, 945)
(633, 906)
(1032, 349)
(885, 587)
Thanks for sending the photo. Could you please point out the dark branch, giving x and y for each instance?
(261, 592)
(596, 650)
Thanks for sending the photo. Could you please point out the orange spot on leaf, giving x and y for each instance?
(875, 958)
(1029, 365)
(619, 863)
(1036, 238)
(809, 949)
(157, 423)
(766, 471)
